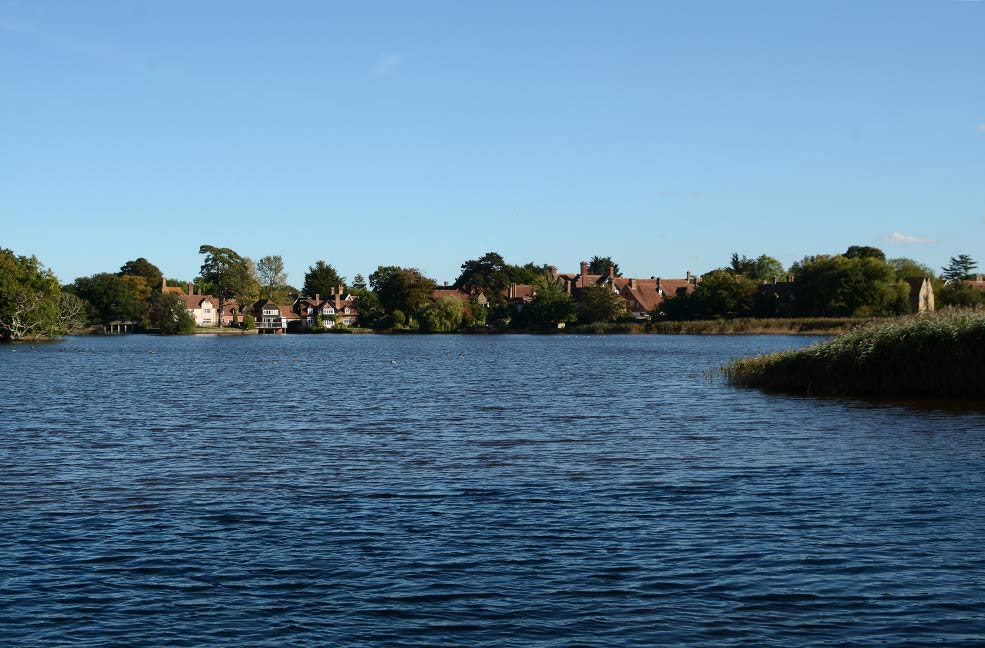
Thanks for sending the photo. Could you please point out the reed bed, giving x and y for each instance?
(931, 355)
(742, 326)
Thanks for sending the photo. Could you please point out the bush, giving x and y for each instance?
(249, 322)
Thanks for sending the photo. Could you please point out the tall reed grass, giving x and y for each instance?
(931, 355)
(741, 326)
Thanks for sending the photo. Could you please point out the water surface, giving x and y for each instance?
(472, 491)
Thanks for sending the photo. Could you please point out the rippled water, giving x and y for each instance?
(480, 491)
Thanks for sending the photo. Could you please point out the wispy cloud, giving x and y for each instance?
(980, 128)
(387, 65)
(900, 237)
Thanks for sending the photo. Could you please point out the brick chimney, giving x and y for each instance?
(318, 298)
(338, 297)
(584, 274)
(512, 293)
(689, 276)
(164, 284)
(632, 282)
(191, 288)
(612, 272)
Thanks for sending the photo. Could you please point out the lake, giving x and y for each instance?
(365, 490)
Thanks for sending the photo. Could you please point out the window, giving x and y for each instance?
(346, 310)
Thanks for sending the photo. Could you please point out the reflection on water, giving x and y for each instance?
(482, 491)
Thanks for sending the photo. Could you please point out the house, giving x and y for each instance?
(642, 296)
(204, 308)
(978, 283)
(921, 295)
(272, 317)
(338, 309)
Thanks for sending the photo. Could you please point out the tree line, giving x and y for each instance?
(860, 282)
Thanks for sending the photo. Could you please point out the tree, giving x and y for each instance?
(551, 305)
(29, 298)
(958, 294)
(169, 315)
(406, 290)
(841, 286)
(359, 282)
(529, 273)
(270, 270)
(864, 252)
(719, 295)
(443, 315)
(762, 268)
(487, 275)
(321, 279)
(112, 297)
(909, 269)
(599, 304)
(141, 267)
(960, 267)
(475, 312)
(600, 266)
(380, 275)
(230, 276)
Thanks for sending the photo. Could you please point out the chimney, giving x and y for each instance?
(612, 272)
(659, 287)
(689, 276)
(512, 293)
(632, 282)
(978, 278)
(584, 274)
(317, 298)
(191, 288)
(164, 284)
(338, 297)
(446, 283)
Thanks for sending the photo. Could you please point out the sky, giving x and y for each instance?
(666, 134)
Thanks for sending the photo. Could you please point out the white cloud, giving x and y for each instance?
(899, 237)
(980, 128)
(387, 65)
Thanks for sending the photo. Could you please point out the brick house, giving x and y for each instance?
(642, 296)
(337, 309)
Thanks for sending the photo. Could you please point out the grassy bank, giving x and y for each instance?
(748, 326)
(932, 355)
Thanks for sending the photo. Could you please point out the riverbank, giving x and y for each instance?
(743, 326)
(931, 355)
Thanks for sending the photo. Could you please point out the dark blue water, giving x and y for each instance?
(482, 491)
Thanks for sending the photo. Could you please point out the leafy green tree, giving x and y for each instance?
(529, 273)
(958, 294)
(840, 286)
(600, 265)
(380, 275)
(230, 275)
(487, 275)
(864, 252)
(551, 305)
(762, 268)
(475, 312)
(358, 282)
(270, 270)
(249, 322)
(110, 297)
(321, 279)
(599, 304)
(406, 290)
(442, 315)
(719, 295)
(169, 315)
(909, 269)
(960, 267)
(29, 299)
(141, 267)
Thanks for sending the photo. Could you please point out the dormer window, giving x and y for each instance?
(346, 310)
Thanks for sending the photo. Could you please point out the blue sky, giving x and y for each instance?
(664, 134)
